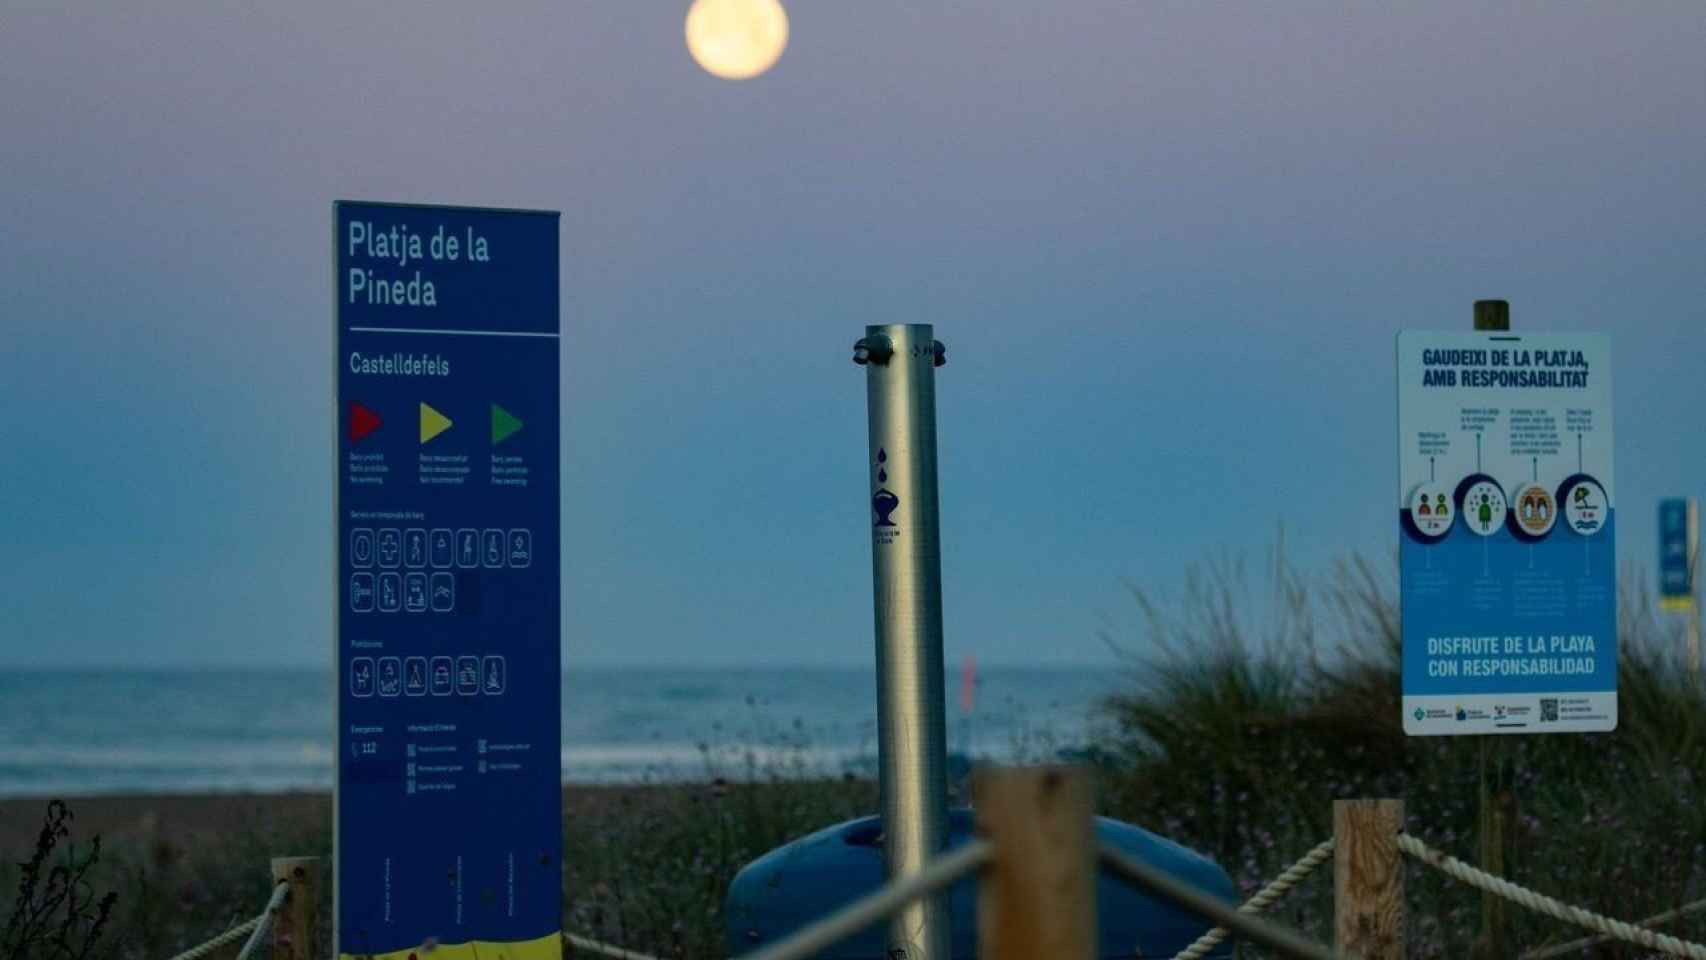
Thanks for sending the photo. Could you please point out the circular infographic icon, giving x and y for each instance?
(1429, 512)
(1534, 511)
(1586, 507)
(1483, 507)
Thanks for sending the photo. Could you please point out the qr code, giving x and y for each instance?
(1548, 710)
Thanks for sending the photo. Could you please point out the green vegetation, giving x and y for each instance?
(163, 895)
(56, 913)
(1265, 698)
(652, 876)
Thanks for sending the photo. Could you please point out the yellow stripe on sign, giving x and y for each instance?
(1676, 604)
(433, 423)
(549, 947)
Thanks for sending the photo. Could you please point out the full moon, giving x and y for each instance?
(736, 39)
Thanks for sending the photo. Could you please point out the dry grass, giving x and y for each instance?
(1268, 696)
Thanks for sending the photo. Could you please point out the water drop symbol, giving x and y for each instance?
(882, 475)
(882, 455)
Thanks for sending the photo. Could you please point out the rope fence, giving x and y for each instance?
(1575, 947)
(255, 927)
(944, 872)
(1265, 898)
(1540, 903)
(1244, 921)
(599, 948)
(898, 893)
(1206, 905)
(230, 936)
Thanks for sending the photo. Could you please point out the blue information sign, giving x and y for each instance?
(1506, 533)
(449, 799)
(1678, 536)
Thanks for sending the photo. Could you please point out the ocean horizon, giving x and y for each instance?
(102, 731)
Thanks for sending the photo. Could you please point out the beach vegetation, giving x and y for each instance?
(56, 913)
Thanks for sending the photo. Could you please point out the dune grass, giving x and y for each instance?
(1261, 695)
(1266, 695)
(162, 897)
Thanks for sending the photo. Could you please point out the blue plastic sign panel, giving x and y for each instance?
(1507, 543)
(448, 810)
(1679, 544)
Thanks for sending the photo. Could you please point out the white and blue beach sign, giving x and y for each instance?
(1507, 542)
(448, 807)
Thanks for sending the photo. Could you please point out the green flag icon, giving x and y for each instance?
(504, 424)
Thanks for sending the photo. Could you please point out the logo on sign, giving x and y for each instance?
(1585, 507)
(1429, 512)
(1535, 510)
(883, 502)
(1484, 508)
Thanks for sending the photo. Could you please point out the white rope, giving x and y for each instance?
(263, 923)
(604, 949)
(229, 936)
(251, 927)
(1540, 903)
(1577, 946)
(938, 874)
(1285, 941)
(1267, 897)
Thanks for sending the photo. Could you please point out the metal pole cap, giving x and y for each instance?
(875, 349)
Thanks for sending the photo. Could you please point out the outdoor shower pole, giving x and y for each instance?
(900, 362)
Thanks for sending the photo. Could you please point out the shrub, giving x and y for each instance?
(56, 914)
(1261, 703)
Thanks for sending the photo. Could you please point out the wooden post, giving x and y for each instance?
(1497, 800)
(1368, 879)
(1498, 830)
(1693, 521)
(1038, 897)
(296, 928)
(1492, 315)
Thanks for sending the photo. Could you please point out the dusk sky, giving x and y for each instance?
(1168, 246)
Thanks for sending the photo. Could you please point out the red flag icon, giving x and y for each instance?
(362, 422)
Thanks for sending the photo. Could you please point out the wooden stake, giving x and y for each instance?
(1497, 799)
(1038, 898)
(1492, 315)
(1498, 805)
(1368, 879)
(296, 928)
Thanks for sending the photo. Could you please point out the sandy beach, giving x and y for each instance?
(645, 865)
(185, 820)
(188, 821)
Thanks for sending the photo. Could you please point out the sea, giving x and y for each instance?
(80, 733)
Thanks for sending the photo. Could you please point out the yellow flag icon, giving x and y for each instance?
(433, 423)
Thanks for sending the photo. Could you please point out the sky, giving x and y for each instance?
(1168, 247)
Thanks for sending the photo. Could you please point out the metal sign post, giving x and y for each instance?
(906, 567)
(1507, 552)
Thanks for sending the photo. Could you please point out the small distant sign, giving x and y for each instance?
(1679, 545)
